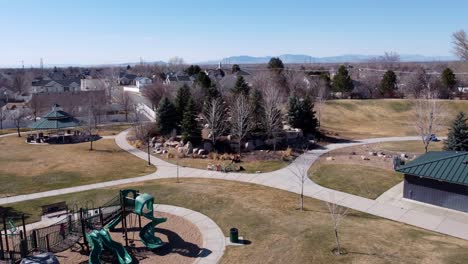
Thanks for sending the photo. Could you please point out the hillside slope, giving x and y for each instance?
(380, 118)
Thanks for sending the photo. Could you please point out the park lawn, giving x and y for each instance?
(249, 166)
(357, 119)
(28, 168)
(112, 130)
(12, 130)
(414, 146)
(279, 233)
(365, 181)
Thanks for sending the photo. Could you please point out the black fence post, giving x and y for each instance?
(2, 257)
(24, 223)
(101, 217)
(34, 239)
(12, 258)
(47, 243)
(6, 233)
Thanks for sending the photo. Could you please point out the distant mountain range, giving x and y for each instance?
(297, 58)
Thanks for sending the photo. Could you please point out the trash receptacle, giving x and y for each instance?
(234, 235)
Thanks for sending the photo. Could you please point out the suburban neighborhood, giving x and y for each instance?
(154, 140)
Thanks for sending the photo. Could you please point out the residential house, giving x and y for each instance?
(90, 84)
(141, 82)
(127, 79)
(178, 78)
(47, 85)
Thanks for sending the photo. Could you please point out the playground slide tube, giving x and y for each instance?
(117, 248)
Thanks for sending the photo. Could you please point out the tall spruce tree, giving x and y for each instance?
(241, 87)
(301, 114)
(190, 129)
(342, 81)
(448, 79)
(457, 139)
(182, 97)
(257, 102)
(166, 117)
(388, 84)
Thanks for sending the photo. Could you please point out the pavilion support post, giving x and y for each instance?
(6, 233)
(2, 257)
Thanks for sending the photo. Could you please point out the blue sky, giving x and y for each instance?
(106, 31)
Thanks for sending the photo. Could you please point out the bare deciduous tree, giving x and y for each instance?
(125, 102)
(337, 213)
(241, 119)
(20, 83)
(215, 116)
(3, 116)
(300, 168)
(35, 105)
(460, 41)
(272, 121)
(143, 133)
(428, 114)
(155, 92)
(18, 116)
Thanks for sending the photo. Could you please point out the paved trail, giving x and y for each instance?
(427, 217)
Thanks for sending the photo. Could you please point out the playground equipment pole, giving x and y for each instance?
(6, 234)
(1, 247)
(24, 226)
(83, 229)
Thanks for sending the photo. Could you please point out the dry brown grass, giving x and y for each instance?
(379, 118)
(282, 234)
(26, 168)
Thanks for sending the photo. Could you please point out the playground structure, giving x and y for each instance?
(87, 227)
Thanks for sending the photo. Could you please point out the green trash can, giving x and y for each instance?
(234, 235)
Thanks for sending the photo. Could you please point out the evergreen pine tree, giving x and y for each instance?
(457, 139)
(166, 116)
(301, 114)
(190, 129)
(276, 65)
(388, 85)
(182, 97)
(448, 79)
(342, 81)
(241, 87)
(258, 110)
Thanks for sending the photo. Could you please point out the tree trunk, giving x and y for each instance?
(338, 245)
(1, 124)
(126, 116)
(149, 156)
(240, 149)
(18, 131)
(302, 197)
(91, 144)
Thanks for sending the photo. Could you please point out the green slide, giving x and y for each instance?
(114, 222)
(147, 234)
(97, 239)
(117, 248)
(94, 242)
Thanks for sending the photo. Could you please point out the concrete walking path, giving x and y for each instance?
(454, 224)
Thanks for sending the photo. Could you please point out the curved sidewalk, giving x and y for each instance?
(284, 179)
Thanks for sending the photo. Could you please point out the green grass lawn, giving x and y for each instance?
(416, 147)
(249, 166)
(279, 233)
(26, 168)
(380, 118)
(365, 181)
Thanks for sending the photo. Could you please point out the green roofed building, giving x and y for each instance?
(58, 126)
(438, 178)
(55, 119)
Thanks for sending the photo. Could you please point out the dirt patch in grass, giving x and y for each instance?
(26, 168)
(279, 233)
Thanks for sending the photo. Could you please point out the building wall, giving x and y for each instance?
(438, 193)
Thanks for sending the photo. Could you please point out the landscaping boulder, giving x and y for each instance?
(330, 158)
(44, 258)
(189, 147)
(381, 154)
(403, 156)
(202, 152)
(195, 150)
(364, 158)
(372, 153)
